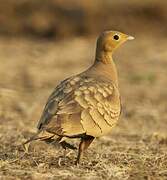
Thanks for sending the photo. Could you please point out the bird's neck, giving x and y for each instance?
(105, 67)
(103, 56)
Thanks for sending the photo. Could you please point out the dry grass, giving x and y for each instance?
(137, 147)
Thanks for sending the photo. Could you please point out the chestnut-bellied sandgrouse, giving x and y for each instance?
(86, 105)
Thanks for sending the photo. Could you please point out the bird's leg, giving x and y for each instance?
(66, 145)
(62, 142)
(84, 144)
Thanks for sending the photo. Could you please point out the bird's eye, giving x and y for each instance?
(116, 37)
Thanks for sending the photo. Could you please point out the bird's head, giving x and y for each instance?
(108, 41)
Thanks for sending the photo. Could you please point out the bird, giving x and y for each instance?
(87, 105)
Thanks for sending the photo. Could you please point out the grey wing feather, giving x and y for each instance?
(49, 110)
(51, 106)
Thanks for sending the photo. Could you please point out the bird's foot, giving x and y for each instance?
(77, 163)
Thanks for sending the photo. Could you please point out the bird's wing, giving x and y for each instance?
(81, 105)
(100, 104)
(61, 92)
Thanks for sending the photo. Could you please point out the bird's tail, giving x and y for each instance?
(50, 139)
(42, 136)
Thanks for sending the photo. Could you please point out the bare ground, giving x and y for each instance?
(137, 147)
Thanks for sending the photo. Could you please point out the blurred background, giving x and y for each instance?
(43, 42)
(58, 19)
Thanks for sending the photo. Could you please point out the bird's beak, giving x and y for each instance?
(130, 38)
